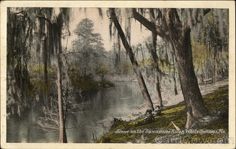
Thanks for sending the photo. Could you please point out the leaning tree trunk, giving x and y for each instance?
(133, 60)
(188, 80)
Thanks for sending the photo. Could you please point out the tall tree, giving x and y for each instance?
(176, 30)
(214, 35)
(19, 40)
(88, 46)
(50, 34)
(155, 58)
(43, 31)
(62, 18)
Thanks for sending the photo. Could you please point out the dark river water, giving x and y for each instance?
(86, 125)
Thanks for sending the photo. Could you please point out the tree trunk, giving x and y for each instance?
(215, 54)
(133, 60)
(45, 65)
(178, 34)
(47, 61)
(155, 59)
(62, 137)
(174, 69)
(175, 83)
(189, 85)
(62, 130)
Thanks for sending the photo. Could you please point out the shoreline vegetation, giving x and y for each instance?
(64, 68)
(147, 129)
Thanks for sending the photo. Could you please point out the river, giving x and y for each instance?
(86, 125)
(97, 113)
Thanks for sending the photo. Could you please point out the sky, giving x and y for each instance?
(101, 25)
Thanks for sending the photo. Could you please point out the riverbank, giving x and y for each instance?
(171, 122)
(169, 99)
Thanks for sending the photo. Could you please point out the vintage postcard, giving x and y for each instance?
(117, 74)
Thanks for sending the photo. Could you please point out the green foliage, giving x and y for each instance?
(35, 69)
(87, 83)
(90, 60)
(124, 68)
(214, 29)
(102, 70)
(215, 102)
(205, 60)
(39, 86)
(146, 62)
(37, 81)
(199, 52)
(90, 55)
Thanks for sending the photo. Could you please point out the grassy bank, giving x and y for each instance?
(139, 130)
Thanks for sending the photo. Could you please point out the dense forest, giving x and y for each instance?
(177, 75)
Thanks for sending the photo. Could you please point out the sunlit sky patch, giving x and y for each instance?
(101, 25)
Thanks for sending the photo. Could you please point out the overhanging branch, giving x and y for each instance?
(145, 22)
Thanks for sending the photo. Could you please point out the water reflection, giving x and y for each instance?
(85, 125)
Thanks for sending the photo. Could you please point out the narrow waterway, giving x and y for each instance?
(92, 120)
